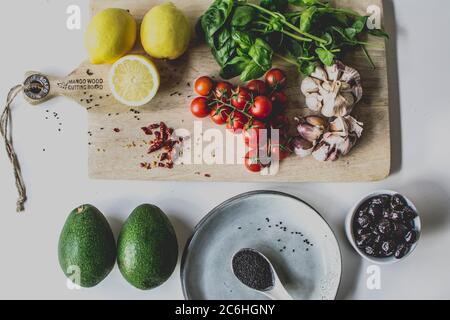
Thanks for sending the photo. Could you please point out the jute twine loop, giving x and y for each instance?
(5, 130)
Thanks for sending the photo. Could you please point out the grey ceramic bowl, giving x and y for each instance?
(295, 238)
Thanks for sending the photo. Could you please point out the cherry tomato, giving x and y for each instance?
(200, 108)
(223, 91)
(279, 100)
(258, 87)
(236, 122)
(203, 86)
(276, 79)
(240, 98)
(219, 114)
(252, 132)
(261, 107)
(280, 122)
(252, 161)
(281, 152)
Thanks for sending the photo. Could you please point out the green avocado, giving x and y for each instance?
(87, 249)
(147, 249)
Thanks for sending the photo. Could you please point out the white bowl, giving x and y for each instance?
(351, 235)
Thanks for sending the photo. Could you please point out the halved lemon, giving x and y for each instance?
(134, 80)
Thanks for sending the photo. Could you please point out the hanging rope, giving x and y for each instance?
(5, 128)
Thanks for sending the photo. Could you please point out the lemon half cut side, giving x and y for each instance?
(134, 80)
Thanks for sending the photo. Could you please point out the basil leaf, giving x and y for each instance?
(262, 54)
(307, 67)
(306, 18)
(275, 5)
(379, 33)
(350, 33)
(360, 24)
(216, 16)
(235, 67)
(252, 71)
(325, 56)
(224, 48)
(243, 39)
(305, 3)
(242, 17)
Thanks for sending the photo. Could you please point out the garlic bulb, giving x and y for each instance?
(333, 91)
(342, 137)
(311, 130)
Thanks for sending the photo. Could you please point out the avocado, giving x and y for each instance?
(147, 248)
(87, 249)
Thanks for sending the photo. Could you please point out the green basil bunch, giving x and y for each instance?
(244, 36)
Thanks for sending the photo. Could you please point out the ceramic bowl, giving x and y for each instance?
(351, 235)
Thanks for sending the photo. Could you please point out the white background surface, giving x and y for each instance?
(34, 37)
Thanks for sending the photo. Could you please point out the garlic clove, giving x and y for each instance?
(309, 132)
(334, 72)
(321, 152)
(344, 104)
(355, 126)
(329, 102)
(309, 86)
(314, 102)
(320, 74)
(302, 147)
(317, 122)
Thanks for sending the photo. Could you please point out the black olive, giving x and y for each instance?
(376, 211)
(370, 251)
(384, 200)
(364, 221)
(409, 214)
(364, 240)
(400, 231)
(411, 237)
(361, 231)
(385, 227)
(388, 248)
(394, 215)
(401, 251)
(398, 202)
(378, 238)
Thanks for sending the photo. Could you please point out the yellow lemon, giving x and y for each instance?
(165, 32)
(134, 80)
(110, 35)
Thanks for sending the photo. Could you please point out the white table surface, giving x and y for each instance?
(34, 37)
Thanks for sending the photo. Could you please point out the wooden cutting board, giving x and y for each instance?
(117, 155)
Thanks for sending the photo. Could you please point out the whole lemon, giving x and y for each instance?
(165, 32)
(110, 35)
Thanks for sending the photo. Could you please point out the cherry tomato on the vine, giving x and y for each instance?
(236, 122)
(281, 152)
(252, 132)
(240, 98)
(253, 162)
(203, 86)
(276, 79)
(279, 100)
(200, 108)
(223, 90)
(219, 114)
(261, 107)
(258, 87)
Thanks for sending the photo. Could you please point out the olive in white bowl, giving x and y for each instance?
(384, 227)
